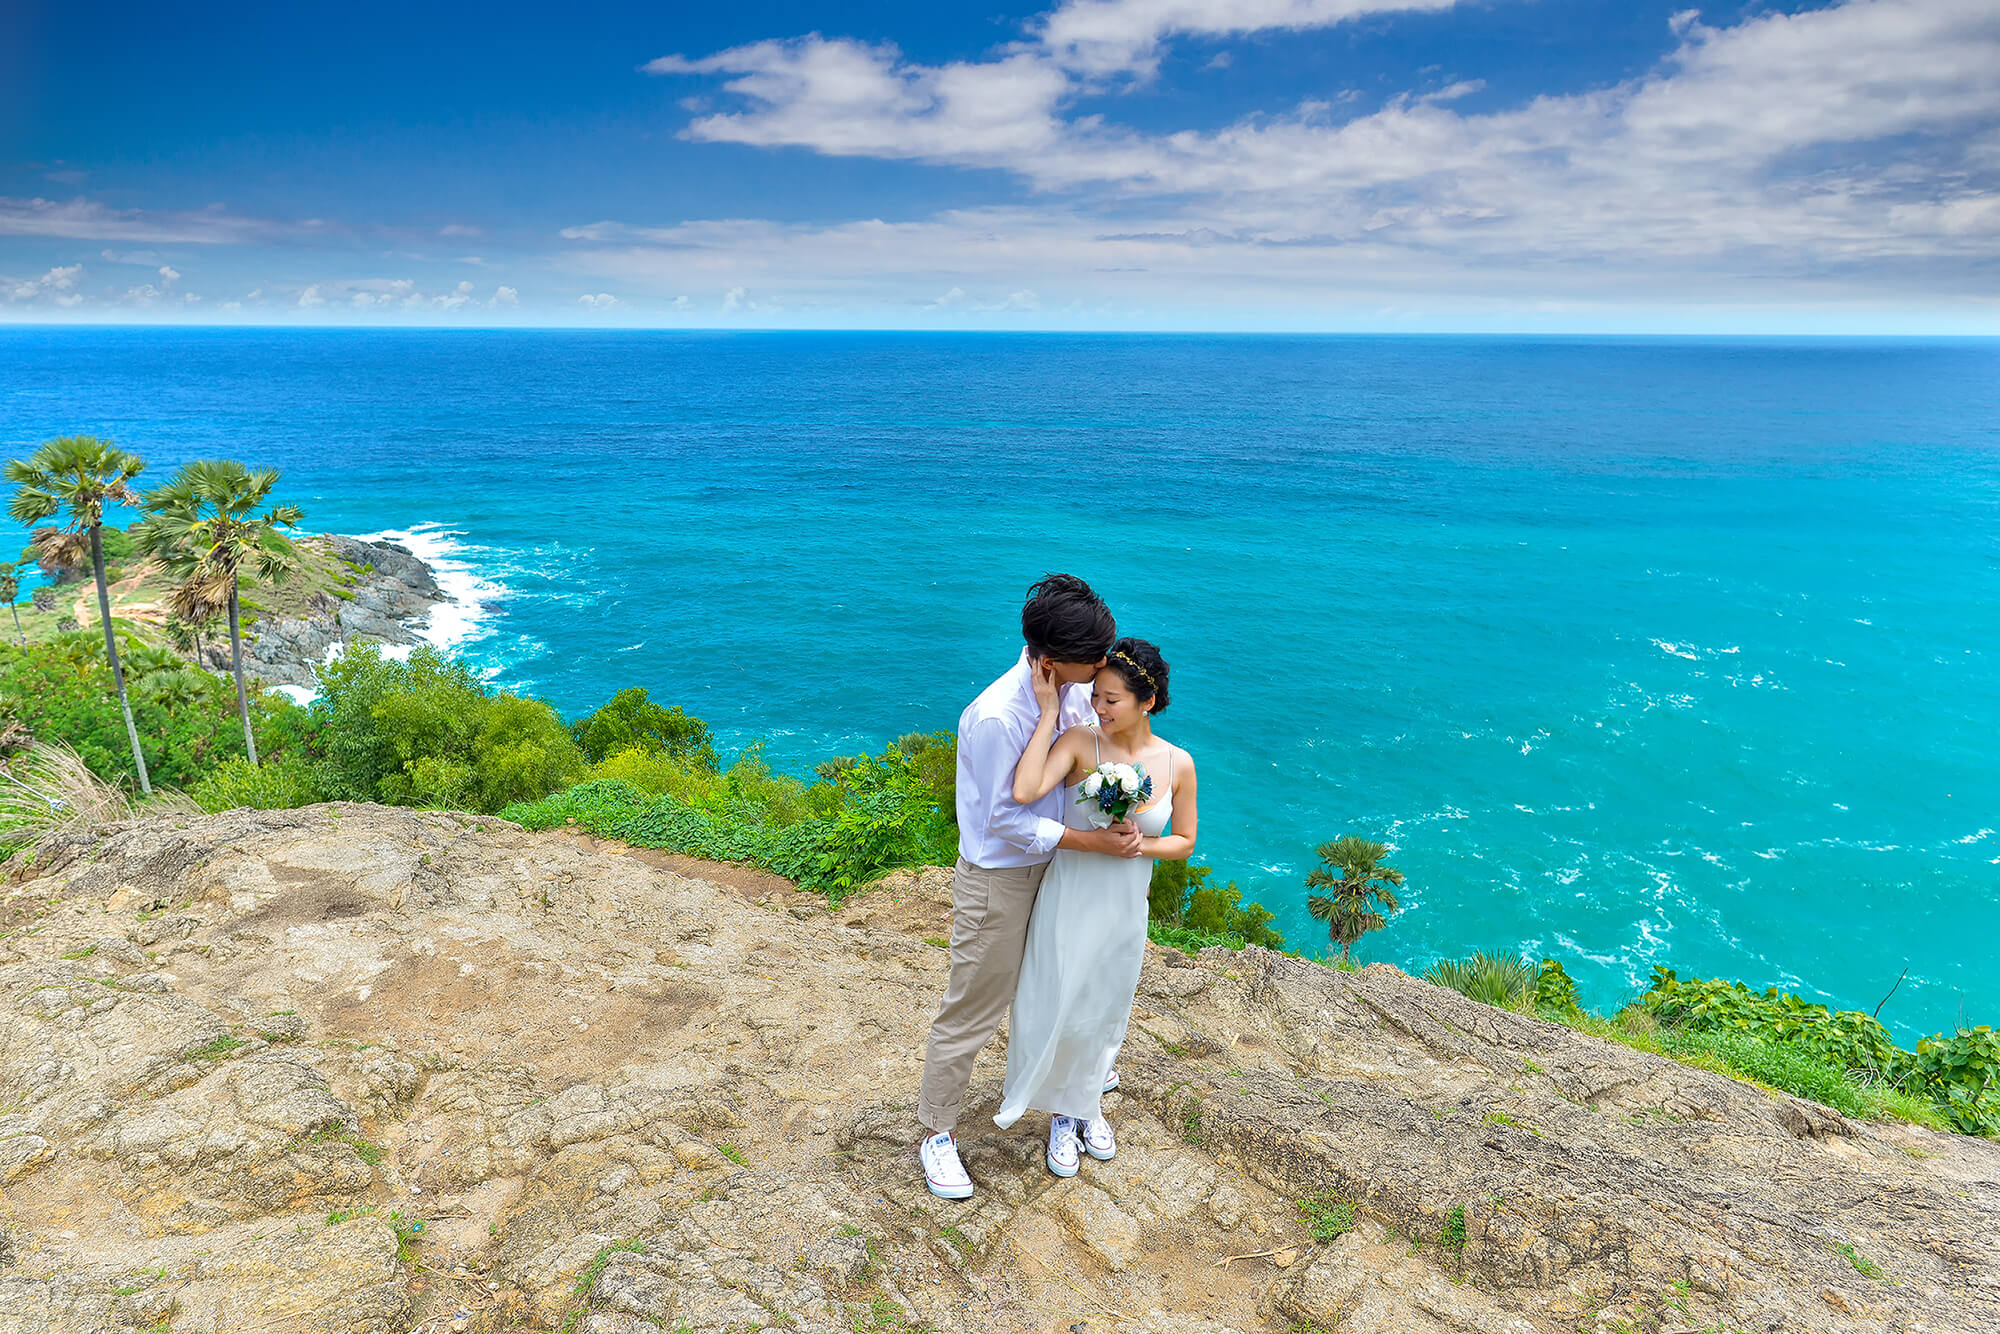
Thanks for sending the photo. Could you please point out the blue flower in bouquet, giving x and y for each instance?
(1114, 789)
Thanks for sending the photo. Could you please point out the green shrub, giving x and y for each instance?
(186, 718)
(630, 720)
(1850, 1039)
(427, 733)
(1179, 897)
(886, 817)
(1555, 990)
(275, 785)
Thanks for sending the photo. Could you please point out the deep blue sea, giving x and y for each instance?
(1637, 651)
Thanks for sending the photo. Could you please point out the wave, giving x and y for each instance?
(464, 619)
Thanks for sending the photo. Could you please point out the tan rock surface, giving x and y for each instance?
(242, 1057)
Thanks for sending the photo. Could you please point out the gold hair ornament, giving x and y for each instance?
(1144, 675)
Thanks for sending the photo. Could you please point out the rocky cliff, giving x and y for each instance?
(373, 1071)
(390, 598)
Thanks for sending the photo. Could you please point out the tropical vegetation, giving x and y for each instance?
(203, 526)
(79, 475)
(1844, 1059)
(1356, 891)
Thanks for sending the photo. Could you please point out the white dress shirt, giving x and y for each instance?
(994, 829)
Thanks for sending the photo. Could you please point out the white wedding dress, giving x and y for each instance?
(1086, 941)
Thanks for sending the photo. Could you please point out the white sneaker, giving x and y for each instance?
(1063, 1157)
(1099, 1140)
(1111, 1080)
(942, 1171)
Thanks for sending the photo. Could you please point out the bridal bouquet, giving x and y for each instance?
(1114, 789)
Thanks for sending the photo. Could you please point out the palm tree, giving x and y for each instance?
(80, 473)
(10, 588)
(204, 528)
(1356, 882)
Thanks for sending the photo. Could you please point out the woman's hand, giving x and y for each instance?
(1048, 690)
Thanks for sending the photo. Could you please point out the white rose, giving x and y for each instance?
(1093, 785)
(1128, 778)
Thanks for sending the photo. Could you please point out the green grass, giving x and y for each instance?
(1326, 1216)
(1451, 1237)
(733, 1154)
(1863, 1266)
(1770, 1065)
(595, 1269)
(1191, 1125)
(216, 1050)
(83, 953)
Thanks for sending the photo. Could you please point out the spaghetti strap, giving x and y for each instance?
(1097, 744)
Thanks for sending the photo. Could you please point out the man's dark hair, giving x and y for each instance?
(1064, 621)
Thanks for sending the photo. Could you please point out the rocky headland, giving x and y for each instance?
(345, 590)
(366, 1070)
(387, 600)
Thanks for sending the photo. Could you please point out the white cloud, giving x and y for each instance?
(732, 299)
(458, 298)
(1858, 144)
(358, 293)
(1101, 37)
(505, 296)
(597, 300)
(682, 303)
(459, 229)
(84, 219)
(56, 287)
(169, 274)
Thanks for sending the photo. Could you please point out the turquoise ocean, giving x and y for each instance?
(1638, 651)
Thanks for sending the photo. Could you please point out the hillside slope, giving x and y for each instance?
(244, 1056)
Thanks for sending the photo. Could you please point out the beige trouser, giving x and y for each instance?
(990, 907)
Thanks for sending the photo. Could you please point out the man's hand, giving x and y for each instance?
(1048, 690)
(1122, 839)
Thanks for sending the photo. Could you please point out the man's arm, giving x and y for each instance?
(989, 752)
(989, 755)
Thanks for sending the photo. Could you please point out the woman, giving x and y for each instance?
(1087, 938)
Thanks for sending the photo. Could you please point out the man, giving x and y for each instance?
(1003, 850)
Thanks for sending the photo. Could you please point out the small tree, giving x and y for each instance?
(204, 527)
(631, 719)
(80, 473)
(10, 588)
(1355, 885)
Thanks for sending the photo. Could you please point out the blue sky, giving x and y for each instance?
(1115, 164)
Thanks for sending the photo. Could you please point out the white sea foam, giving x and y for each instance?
(299, 694)
(1974, 838)
(463, 619)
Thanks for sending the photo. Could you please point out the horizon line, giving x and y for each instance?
(1190, 331)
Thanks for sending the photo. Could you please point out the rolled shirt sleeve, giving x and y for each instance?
(988, 754)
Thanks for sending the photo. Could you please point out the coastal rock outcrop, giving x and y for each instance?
(391, 599)
(358, 1069)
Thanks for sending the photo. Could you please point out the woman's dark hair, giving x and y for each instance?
(1065, 621)
(1144, 670)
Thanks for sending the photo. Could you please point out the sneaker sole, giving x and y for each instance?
(1111, 1084)
(1101, 1157)
(949, 1192)
(1060, 1170)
